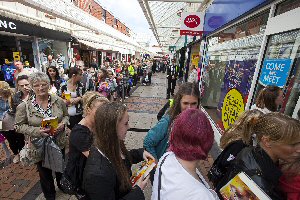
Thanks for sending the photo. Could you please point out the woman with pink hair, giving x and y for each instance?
(177, 176)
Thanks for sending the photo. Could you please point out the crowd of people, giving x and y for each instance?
(262, 143)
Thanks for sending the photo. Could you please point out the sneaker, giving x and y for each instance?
(16, 159)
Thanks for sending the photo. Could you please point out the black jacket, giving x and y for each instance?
(100, 181)
(257, 164)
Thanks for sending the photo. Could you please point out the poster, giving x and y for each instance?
(195, 59)
(238, 75)
(233, 106)
(275, 72)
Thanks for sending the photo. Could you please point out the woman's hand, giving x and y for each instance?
(142, 183)
(60, 128)
(44, 132)
(147, 156)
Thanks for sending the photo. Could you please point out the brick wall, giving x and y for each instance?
(93, 8)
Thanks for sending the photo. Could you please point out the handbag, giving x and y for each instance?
(8, 121)
(26, 154)
(67, 186)
(215, 174)
(53, 156)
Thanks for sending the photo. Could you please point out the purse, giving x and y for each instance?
(53, 156)
(8, 121)
(67, 186)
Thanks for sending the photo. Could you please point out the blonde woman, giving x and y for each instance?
(15, 140)
(81, 139)
(232, 142)
(278, 137)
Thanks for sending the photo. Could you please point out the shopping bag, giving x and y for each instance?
(53, 156)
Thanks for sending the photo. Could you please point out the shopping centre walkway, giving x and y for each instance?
(19, 182)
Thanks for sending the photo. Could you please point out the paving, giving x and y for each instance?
(17, 182)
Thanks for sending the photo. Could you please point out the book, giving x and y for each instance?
(243, 187)
(142, 171)
(66, 95)
(51, 122)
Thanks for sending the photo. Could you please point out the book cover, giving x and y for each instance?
(66, 95)
(51, 122)
(243, 187)
(142, 171)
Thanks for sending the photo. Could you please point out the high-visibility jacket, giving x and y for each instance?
(131, 70)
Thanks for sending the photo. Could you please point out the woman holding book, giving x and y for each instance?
(76, 90)
(80, 142)
(234, 139)
(107, 170)
(278, 139)
(41, 105)
(177, 176)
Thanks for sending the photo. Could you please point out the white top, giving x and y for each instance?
(72, 108)
(178, 184)
(263, 110)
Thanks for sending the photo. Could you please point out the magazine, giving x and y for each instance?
(51, 122)
(243, 187)
(142, 171)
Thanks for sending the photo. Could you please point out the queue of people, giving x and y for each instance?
(262, 143)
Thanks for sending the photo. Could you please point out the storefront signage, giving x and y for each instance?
(275, 72)
(233, 106)
(19, 27)
(192, 24)
(7, 24)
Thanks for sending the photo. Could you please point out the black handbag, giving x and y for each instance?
(67, 186)
(215, 174)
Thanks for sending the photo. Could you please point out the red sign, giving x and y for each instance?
(192, 21)
(192, 24)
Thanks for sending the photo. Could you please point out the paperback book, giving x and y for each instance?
(52, 123)
(243, 187)
(142, 171)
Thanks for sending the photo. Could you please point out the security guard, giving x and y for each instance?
(172, 73)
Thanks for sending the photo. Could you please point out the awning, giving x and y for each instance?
(69, 12)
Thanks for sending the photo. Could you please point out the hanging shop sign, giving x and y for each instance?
(233, 106)
(192, 23)
(275, 72)
(172, 48)
(15, 26)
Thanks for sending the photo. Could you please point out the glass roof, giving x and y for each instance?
(164, 19)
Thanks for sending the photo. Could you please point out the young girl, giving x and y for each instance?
(103, 87)
(80, 141)
(107, 170)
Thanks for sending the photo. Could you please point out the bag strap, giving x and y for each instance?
(27, 137)
(159, 176)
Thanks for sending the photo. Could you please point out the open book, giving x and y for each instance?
(51, 122)
(243, 187)
(142, 171)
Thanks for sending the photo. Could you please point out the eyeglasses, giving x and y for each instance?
(40, 85)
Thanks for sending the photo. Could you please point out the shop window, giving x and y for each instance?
(227, 79)
(281, 67)
(287, 6)
(251, 26)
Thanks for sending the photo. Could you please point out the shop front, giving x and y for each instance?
(28, 42)
(248, 55)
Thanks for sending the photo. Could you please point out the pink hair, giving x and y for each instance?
(191, 136)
